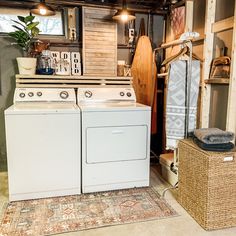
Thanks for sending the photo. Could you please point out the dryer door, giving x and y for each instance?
(116, 143)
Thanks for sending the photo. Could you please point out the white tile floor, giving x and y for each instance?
(175, 226)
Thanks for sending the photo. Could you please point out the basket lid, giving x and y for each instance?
(167, 159)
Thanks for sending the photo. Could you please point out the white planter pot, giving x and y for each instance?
(26, 65)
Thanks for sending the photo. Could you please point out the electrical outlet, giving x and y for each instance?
(72, 34)
(131, 35)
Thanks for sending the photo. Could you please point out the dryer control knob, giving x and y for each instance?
(88, 94)
(30, 94)
(128, 94)
(122, 94)
(64, 95)
(22, 95)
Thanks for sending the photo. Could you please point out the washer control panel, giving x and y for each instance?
(106, 94)
(44, 95)
(30, 94)
(64, 94)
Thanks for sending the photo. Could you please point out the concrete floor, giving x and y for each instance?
(176, 226)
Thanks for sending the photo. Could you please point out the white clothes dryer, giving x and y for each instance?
(43, 144)
(115, 139)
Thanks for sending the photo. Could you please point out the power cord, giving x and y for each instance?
(166, 189)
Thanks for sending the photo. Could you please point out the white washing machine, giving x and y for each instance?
(43, 144)
(115, 139)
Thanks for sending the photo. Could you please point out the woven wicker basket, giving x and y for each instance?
(207, 185)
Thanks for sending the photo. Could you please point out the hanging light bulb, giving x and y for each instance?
(42, 9)
(124, 17)
(123, 14)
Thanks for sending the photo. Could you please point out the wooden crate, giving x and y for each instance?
(207, 185)
(99, 42)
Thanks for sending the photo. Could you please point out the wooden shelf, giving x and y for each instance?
(65, 44)
(223, 25)
(224, 81)
(162, 75)
(48, 81)
(46, 85)
(124, 46)
(71, 81)
(74, 77)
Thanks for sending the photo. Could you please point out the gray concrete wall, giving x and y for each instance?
(156, 36)
(219, 100)
(8, 69)
(199, 11)
(224, 9)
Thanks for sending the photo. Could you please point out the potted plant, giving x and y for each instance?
(26, 30)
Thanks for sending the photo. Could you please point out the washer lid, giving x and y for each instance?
(42, 107)
(112, 106)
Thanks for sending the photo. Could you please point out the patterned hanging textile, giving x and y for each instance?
(176, 109)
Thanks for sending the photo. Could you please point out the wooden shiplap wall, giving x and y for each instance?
(99, 42)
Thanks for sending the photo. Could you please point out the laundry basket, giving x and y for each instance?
(207, 185)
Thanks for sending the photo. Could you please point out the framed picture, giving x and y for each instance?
(178, 21)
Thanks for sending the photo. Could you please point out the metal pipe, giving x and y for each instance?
(189, 81)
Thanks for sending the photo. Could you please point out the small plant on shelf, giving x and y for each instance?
(26, 31)
(24, 35)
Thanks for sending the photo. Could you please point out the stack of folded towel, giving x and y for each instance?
(214, 139)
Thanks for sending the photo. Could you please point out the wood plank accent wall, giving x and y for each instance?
(99, 42)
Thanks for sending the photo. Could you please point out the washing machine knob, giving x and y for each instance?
(122, 94)
(30, 94)
(88, 94)
(39, 94)
(22, 95)
(64, 95)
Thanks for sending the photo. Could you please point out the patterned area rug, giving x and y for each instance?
(72, 213)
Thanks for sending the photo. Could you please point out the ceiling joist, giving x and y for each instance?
(147, 6)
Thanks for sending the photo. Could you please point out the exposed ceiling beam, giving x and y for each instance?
(66, 3)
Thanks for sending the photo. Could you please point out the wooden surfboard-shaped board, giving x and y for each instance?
(144, 76)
